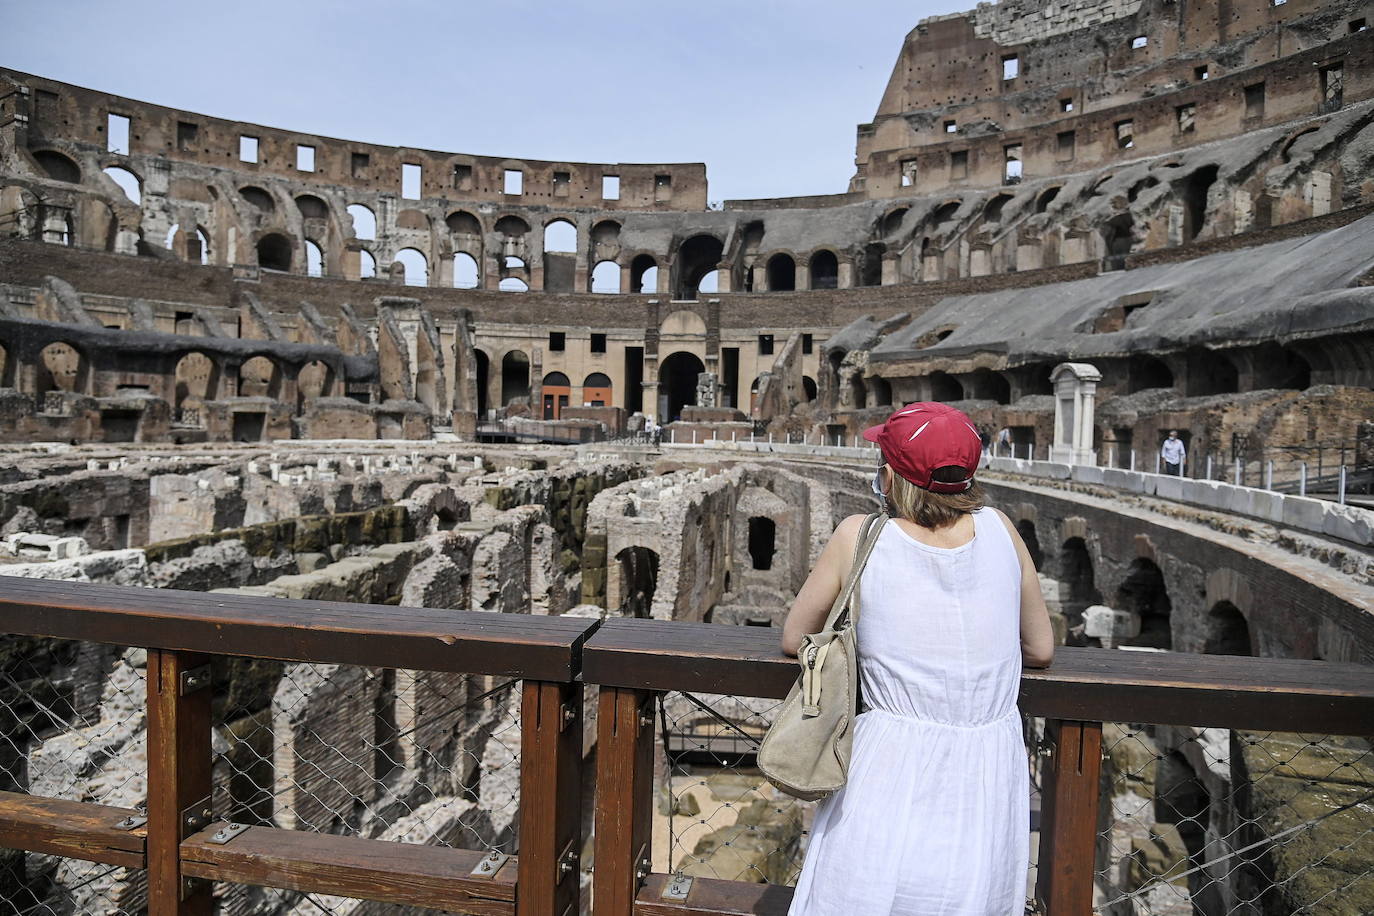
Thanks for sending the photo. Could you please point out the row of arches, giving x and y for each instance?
(1143, 589)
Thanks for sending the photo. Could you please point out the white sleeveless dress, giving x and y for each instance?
(935, 818)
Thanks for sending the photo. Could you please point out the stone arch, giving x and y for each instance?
(275, 252)
(1078, 586)
(195, 381)
(605, 277)
(58, 166)
(782, 273)
(62, 367)
(683, 323)
(1145, 593)
(560, 235)
(515, 377)
(512, 227)
(260, 200)
(367, 265)
(677, 383)
(698, 257)
(260, 377)
(606, 233)
(312, 207)
(314, 259)
(461, 222)
(1046, 197)
(466, 272)
(825, 269)
(945, 212)
(315, 380)
(1192, 192)
(126, 181)
(1227, 631)
(892, 222)
(809, 389)
(644, 274)
(364, 221)
(414, 266)
(992, 213)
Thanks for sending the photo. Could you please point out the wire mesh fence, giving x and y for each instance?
(405, 756)
(1224, 821)
(1210, 821)
(72, 726)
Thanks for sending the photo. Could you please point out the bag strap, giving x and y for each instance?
(869, 533)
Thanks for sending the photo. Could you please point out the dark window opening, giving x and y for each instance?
(1194, 193)
(1254, 101)
(678, 377)
(634, 379)
(663, 188)
(557, 341)
(1066, 105)
(274, 252)
(825, 270)
(598, 343)
(871, 273)
(765, 345)
(462, 178)
(808, 342)
(1357, 25)
(762, 542)
(951, 127)
(1201, 73)
(358, 163)
(562, 183)
(187, 135)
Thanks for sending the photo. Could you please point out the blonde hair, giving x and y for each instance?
(933, 510)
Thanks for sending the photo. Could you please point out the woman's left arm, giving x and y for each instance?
(822, 586)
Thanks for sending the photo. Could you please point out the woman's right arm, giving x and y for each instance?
(1037, 636)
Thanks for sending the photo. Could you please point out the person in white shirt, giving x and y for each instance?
(1173, 453)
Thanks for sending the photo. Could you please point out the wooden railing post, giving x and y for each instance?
(550, 799)
(1068, 818)
(178, 777)
(624, 798)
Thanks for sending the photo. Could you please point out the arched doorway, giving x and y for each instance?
(638, 580)
(1079, 588)
(315, 380)
(782, 273)
(196, 381)
(677, 384)
(1228, 632)
(596, 390)
(825, 270)
(1026, 528)
(557, 390)
(945, 387)
(1144, 592)
(515, 377)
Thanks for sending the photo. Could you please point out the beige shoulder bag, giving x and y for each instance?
(806, 752)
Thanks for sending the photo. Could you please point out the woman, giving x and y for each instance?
(935, 819)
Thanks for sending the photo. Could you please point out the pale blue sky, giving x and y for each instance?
(766, 93)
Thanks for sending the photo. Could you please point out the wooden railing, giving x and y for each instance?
(631, 661)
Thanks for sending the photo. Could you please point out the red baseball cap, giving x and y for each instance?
(920, 438)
